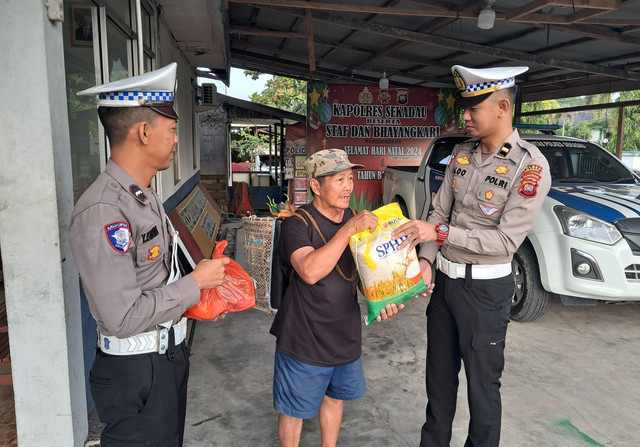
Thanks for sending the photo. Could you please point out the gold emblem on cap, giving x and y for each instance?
(460, 84)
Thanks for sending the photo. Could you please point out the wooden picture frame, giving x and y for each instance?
(81, 25)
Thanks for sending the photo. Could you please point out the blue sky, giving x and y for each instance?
(240, 86)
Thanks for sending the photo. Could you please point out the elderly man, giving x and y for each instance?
(488, 202)
(318, 360)
(126, 256)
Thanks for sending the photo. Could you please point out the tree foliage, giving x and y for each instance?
(536, 106)
(246, 145)
(602, 124)
(280, 92)
(631, 140)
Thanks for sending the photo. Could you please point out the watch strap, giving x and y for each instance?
(442, 236)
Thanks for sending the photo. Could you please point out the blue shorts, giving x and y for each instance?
(299, 388)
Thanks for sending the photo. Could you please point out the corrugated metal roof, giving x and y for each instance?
(572, 47)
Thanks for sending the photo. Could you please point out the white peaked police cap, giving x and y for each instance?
(476, 84)
(155, 89)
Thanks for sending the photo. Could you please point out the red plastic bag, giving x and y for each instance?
(235, 294)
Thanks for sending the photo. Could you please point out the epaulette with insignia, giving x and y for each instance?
(138, 193)
(504, 150)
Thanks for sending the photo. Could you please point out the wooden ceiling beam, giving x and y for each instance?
(524, 14)
(584, 14)
(287, 52)
(437, 4)
(398, 33)
(526, 9)
(289, 68)
(599, 33)
(542, 77)
(609, 5)
(266, 33)
(510, 37)
(295, 57)
(311, 46)
(336, 7)
(541, 19)
(609, 22)
(569, 21)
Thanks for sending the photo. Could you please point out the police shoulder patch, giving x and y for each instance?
(529, 181)
(118, 235)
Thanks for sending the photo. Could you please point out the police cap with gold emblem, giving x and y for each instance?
(155, 89)
(476, 84)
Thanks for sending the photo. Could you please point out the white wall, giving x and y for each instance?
(36, 200)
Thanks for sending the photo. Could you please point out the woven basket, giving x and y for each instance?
(258, 242)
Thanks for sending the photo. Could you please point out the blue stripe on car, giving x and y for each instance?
(591, 207)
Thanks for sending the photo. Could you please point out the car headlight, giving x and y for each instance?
(575, 223)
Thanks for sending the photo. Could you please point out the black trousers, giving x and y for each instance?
(141, 398)
(466, 320)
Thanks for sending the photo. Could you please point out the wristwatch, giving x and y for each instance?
(443, 232)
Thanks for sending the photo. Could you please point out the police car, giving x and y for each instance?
(585, 245)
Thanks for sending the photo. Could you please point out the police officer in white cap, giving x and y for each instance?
(122, 246)
(490, 197)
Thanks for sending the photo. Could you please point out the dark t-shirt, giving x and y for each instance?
(318, 324)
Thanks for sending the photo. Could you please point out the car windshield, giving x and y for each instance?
(582, 162)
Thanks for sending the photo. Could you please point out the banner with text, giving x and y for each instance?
(377, 128)
(294, 158)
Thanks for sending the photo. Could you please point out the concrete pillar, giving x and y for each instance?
(36, 200)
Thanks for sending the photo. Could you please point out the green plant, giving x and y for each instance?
(362, 201)
(274, 207)
(248, 146)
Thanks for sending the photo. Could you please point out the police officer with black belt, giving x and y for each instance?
(126, 252)
(490, 197)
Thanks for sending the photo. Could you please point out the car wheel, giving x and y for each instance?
(530, 300)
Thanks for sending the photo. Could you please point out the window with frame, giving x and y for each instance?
(100, 45)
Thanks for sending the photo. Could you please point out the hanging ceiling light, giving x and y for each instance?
(487, 16)
(384, 81)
